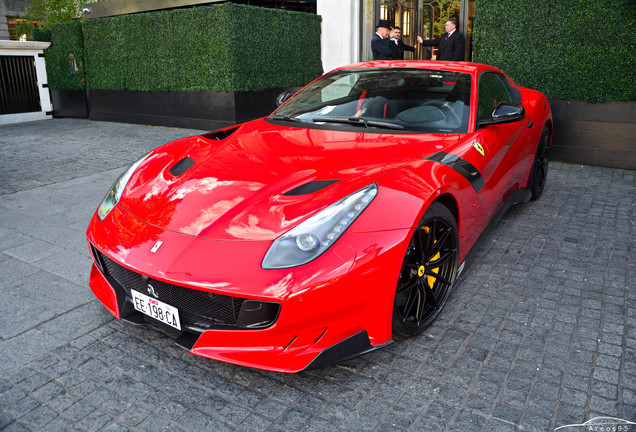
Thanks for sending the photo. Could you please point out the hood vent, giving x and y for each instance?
(310, 187)
(221, 134)
(182, 166)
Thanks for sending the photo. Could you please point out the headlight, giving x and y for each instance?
(114, 194)
(314, 236)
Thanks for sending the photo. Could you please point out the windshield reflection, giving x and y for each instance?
(411, 99)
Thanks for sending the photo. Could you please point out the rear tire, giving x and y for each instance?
(539, 170)
(428, 272)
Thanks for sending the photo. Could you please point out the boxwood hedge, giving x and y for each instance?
(570, 49)
(66, 39)
(221, 48)
(41, 35)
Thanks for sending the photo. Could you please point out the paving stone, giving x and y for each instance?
(94, 421)
(295, 419)
(78, 411)
(134, 415)
(16, 427)
(212, 404)
(195, 420)
(233, 415)
(56, 425)
(574, 397)
(61, 402)
(47, 392)
(84, 388)
(39, 417)
(155, 423)
(429, 424)
(570, 414)
(508, 413)
(606, 375)
(5, 420)
(32, 382)
(254, 423)
(469, 421)
(536, 422)
(441, 411)
(21, 407)
(271, 409)
(604, 405)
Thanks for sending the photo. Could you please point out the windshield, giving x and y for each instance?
(406, 99)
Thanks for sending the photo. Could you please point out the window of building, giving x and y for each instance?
(406, 23)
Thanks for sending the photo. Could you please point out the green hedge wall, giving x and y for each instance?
(571, 49)
(66, 38)
(222, 48)
(41, 35)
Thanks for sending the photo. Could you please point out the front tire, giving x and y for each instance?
(539, 170)
(428, 272)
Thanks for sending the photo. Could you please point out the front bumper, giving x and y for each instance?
(332, 309)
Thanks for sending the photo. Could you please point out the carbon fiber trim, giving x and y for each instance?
(311, 187)
(462, 166)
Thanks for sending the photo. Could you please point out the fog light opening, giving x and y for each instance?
(257, 314)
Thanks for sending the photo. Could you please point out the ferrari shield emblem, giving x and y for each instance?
(151, 291)
(479, 148)
(156, 247)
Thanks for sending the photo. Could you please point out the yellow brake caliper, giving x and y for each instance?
(430, 279)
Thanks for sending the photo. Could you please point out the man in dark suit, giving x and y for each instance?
(395, 37)
(451, 44)
(380, 44)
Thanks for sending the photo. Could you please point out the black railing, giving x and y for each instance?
(18, 85)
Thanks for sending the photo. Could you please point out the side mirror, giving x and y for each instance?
(281, 98)
(505, 112)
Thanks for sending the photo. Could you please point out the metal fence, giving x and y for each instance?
(18, 85)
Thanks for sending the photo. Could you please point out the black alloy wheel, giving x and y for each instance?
(539, 170)
(428, 272)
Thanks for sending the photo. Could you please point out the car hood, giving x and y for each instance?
(263, 179)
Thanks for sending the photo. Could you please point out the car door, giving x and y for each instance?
(504, 145)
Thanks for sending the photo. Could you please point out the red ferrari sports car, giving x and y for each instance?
(327, 229)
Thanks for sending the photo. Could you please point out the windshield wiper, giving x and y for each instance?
(286, 118)
(358, 121)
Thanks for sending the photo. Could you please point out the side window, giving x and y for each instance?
(493, 89)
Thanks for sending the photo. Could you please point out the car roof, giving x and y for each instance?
(466, 67)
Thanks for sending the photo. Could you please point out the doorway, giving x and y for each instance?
(426, 18)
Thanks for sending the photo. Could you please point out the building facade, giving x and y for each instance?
(10, 12)
(349, 25)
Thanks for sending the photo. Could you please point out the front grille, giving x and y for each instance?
(197, 309)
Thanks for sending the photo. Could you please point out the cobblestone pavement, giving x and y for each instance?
(539, 332)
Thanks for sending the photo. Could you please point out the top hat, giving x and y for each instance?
(384, 23)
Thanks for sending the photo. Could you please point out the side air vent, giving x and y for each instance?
(221, 134)
(462, 166)
(182, 166)
(311, 187)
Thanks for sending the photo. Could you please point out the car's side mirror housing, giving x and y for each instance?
(281, 98)
(505, 112)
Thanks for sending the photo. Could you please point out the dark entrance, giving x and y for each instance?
(18, 85)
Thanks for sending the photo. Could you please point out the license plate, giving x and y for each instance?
(156, 309)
